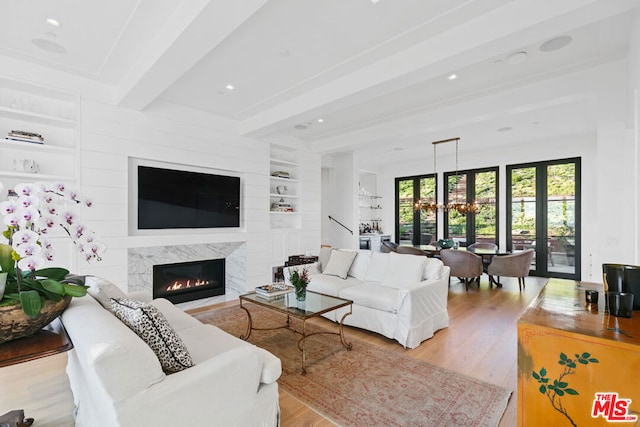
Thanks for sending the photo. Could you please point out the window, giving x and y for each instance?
(415, 227)
(479, 186)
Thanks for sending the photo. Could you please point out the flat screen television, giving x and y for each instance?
(169, 198)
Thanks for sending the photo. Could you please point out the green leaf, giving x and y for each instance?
(54, 273)
(592, 360)
(535, 375)
(571, 391)
(572, 365)
(545, 380)
(53, 286)
(584, 362)
(559, 392)
(6, 262)
(74, 290)
(562, 384)
(563, 356)
(542, 389)
(31, 303)
(586, 355)
(543, 372)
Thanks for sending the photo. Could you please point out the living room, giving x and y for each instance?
(130, 95)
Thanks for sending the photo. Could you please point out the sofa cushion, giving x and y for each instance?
(372, 295)
(403, 270)
(339, 263)
(360, 264)
(103, 290)
(151, 325)
(323, 257)
(432, 269)
(330, 285)
(377, 266)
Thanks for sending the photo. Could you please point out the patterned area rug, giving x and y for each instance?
(367, 386)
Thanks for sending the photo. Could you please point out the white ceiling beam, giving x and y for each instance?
(196, 28)
(463, 44)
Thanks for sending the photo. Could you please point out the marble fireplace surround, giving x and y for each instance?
(140, 262)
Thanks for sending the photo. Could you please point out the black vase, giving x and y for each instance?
(623, 278)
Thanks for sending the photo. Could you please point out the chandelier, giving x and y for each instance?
(461, 208)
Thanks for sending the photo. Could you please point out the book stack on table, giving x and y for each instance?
(273, 290)
(20, 135)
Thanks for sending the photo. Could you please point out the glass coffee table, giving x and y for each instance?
(315, 305)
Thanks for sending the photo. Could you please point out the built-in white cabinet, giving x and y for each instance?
(51, 113)
(284, 190)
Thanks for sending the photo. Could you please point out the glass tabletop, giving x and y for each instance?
(314, 305)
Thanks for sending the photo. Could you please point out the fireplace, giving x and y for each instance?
(187, 281)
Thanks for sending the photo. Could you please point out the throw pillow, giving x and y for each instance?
(103, 290)
(403, 270)
(432, 269)
(360, 264)
(377, 266)
(339, 263)
(151, 325)
(323, 257)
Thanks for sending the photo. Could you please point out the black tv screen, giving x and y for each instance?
(170, 198)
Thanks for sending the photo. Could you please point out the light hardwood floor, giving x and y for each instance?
(481, 341)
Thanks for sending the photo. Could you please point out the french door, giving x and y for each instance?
(544, 214)
(415, 226)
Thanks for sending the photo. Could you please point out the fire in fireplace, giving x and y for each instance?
(187, 281)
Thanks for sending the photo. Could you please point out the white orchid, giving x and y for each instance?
(38, 209)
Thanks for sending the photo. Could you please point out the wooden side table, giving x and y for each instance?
(50, 340)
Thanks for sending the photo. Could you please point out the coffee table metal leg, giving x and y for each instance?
(347, 345)
(247, 334)
(302, 347)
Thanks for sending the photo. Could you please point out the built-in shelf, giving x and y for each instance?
(46, 111)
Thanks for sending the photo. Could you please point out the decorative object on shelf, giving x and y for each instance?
(24, 136)
(281, 206)
(273, 290)
(281, 174)
(461, 208)
(25, 165)
(282, 189)
(30, 215)
(300, 279)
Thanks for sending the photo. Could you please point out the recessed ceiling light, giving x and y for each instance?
(49, 46)
(505, 129)
(300, 127)
(452, 76)
(555, 43)
(230, 87)
(53, 22)
(320, 120)
(517, 58)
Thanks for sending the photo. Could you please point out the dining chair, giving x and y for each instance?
(388, 246)
(514, 265)
(483, 245)
(411, 250)
(464, 265)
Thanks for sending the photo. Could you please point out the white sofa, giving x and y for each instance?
(401, 296)
(117, 379)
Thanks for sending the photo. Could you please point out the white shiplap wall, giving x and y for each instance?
(110, 135)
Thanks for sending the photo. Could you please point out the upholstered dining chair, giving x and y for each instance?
(411, 250)
(464, 265)
(388, 246)
(483, 245)
(514, 265)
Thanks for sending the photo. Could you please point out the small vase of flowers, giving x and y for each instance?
(31, 214)
(300, 280)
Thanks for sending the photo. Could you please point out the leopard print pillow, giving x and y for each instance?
(151, 325)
